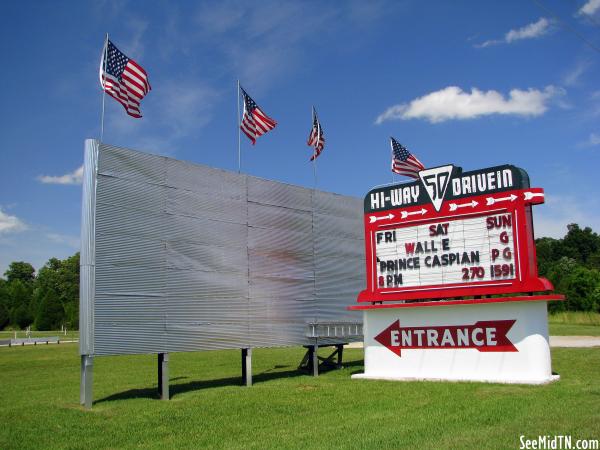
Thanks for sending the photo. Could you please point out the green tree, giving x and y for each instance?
(20, 270)
(4, 317)
(594, 260)
(61, 277)
(572, 264)
(580, 244)
(548, 251)
(50, 312)
(21, 316)
(4, 301)
(581, 288)
(19, 300)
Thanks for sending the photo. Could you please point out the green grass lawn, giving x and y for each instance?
(68, 336)
(284, 409)
(574, 323)
(561, 324)
(565, 329)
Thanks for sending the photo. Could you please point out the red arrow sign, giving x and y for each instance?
(485, 336)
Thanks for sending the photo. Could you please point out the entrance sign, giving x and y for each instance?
(484, 336)
(452, 289)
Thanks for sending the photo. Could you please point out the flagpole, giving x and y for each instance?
(315, 149)
(392, 159)
(102, 70)
(239, 129)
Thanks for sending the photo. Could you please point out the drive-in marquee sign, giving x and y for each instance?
(465, 238)
(452, 234)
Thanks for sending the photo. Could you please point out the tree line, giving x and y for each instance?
(49, 299)
(572, 264)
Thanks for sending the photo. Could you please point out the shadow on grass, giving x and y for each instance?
(182, 388)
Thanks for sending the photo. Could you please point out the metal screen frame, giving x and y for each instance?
(165, 242)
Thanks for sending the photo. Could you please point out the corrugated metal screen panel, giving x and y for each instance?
(131, 165)
(290, 242)
(125, 250)
(279, 194)
(184, 336)
(129, 323)
(205, 180)
(205, 257)
(337, 226)
(281, 264)
(208, 286)
(193, 258)
(129, 279)
(339, 247)
(124, 221)
(195, 204)
(281, 321)
(204, 231)
(338, 205)
(339, 257)
(279, 287)
(130, 194)
(281, 219)
(192, 312)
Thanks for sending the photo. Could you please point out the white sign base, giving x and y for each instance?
(530, 364)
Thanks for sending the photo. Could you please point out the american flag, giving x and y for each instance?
(403, 162)
(316, 138)
(123, 79)
(255, 122)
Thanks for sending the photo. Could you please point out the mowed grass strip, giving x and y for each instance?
(22, 334)
(284, 409)
(574, 323)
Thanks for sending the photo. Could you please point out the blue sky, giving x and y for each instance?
(471, 83)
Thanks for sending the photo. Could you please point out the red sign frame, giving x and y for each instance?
(516, 202)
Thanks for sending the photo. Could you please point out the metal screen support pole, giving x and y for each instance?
(247, 366)
(87, 378)
(87, 272)
(315, 360)
(163, 376)
(340, 354)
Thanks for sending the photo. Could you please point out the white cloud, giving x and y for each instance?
(186, 105)
(10, 224)
(109, 8)
(551, 219)
(35, 246)
(134, 47)
(68, 240)
(572, 77)
(594, 139)
(530, 31)
(264, 41)
(589, 8)
(454, 103)
(180, 109)
(74, 177)
(222, 17)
